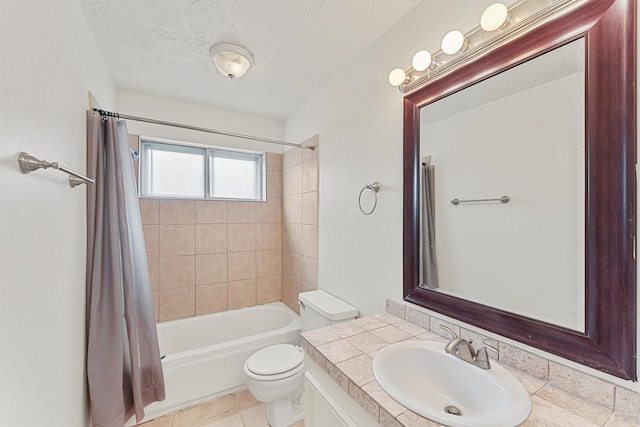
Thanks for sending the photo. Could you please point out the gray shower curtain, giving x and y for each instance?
(429, 265)
(124, 371)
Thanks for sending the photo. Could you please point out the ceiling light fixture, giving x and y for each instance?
(496, 20)
(231, 60)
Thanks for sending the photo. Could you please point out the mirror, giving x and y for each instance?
(594, 217)
(518, 134)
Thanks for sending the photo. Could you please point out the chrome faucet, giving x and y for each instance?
(463, 350)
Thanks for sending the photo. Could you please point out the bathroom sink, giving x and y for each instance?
(439, 386)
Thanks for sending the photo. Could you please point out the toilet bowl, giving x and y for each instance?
(275, 376)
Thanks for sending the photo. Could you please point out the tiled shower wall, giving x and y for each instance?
(300, 222)
(208, 256)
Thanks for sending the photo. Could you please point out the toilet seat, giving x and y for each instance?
(275, 362)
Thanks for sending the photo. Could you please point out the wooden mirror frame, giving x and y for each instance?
(609, 341)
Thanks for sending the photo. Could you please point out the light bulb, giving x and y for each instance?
(494, 17)
(421, 60)
(453, 42)
(397, 77)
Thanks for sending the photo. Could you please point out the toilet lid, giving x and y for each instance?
(275, 359)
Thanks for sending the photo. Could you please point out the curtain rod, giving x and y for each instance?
(104, 113)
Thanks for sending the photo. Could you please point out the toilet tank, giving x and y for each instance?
(319, 309)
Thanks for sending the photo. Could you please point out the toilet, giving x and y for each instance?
(275, 374)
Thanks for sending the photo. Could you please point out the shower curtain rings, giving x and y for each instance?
(374, 187)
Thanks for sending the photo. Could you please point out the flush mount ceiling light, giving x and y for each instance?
(231, 60)
(494, 17)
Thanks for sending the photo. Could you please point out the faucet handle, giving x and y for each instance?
(451, 331)
(483, 349)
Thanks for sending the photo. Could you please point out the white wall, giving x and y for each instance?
(358, 117)
(141, 105)
(49, 62)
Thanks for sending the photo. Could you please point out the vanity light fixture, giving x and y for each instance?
(422, 60)
(457, 48)
(454, 42)
(231, 60)
(494, 17)
(398, 77)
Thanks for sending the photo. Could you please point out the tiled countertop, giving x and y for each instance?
(346, 350)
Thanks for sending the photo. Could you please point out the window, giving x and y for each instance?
(192, 172)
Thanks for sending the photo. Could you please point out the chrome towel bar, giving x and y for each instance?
(503, 199)
(28, 163)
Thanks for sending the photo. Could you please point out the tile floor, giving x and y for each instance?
(239, 409)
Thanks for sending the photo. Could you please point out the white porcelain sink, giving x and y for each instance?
(424, 378)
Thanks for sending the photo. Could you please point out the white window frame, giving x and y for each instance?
(207, 152)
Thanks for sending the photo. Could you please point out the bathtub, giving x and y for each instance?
(204, 355)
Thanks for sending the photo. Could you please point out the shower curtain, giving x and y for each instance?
(429, 271)
(124, 371)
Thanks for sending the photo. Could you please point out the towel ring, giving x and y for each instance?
(374, 187)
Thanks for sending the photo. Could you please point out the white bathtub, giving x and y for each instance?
(204, 355)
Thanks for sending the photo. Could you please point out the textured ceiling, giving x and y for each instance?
(161, 47)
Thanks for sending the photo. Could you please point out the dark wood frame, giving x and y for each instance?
(609, 341)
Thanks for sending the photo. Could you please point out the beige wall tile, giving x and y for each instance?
(242, 237)
(274, 161)
(292, 237)
(390, 334)
(310, 240)
(241, 265)
(268, 289)
(177, 240)
(152, 240)
(293, 209)
(374, 390)
(211, 298)
(177, 272)
(177, 211)
(366, 341)
(268, 262)
(268, 236)
(628, 403)
(286, 292)
(176, 303)
(291, 157)
(294, 175)
(337, 375)
(211, 268)
(310, 208)
(156, 310)
(152, 264)
(525, 361)
(418, 317)
(274, 183)
(580, 384)
(310, 175)
(241, 293)
(211, 238)
(296, 288)
(149, 211)
(241, 212)
(295, 271)
(399, 310)
(211, 211)
(269, 211)
(436, 328)
(309, 273)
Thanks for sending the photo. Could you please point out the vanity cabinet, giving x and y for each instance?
(327, 404)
